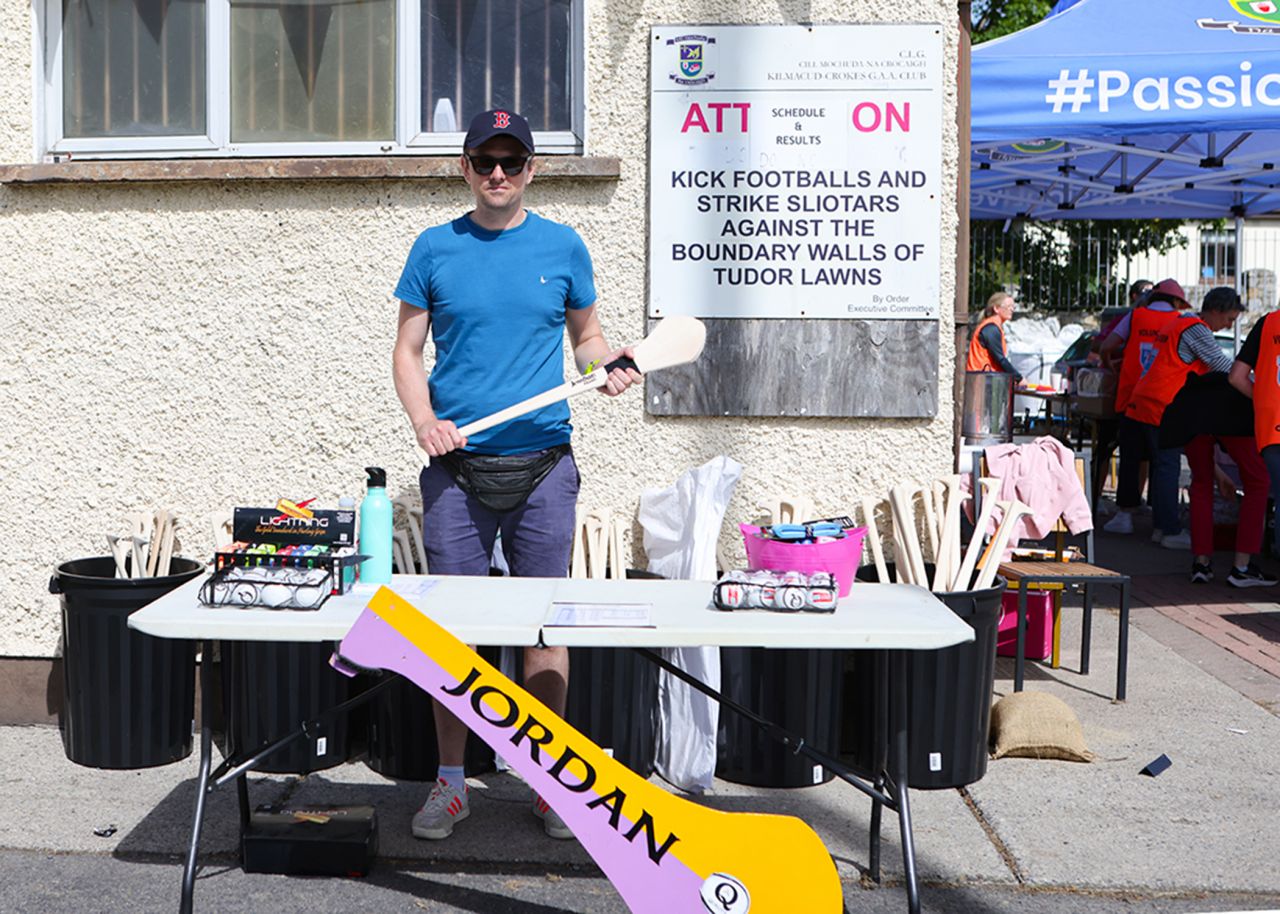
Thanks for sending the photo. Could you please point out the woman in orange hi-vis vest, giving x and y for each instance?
(1256, 373)
(1187, 346)
(1131, 349)
(988, 350)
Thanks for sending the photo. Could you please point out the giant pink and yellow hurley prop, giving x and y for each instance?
(664, 854)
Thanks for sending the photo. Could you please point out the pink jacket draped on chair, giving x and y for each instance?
(1041, 475)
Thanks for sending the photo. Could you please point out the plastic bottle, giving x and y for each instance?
(375, 529)
(347, 503)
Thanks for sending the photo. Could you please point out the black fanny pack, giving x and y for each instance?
(501, 483)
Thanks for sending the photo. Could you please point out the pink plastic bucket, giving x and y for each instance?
(840, 557)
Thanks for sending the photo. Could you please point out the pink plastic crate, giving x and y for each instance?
(1039, 644)
(840, 558)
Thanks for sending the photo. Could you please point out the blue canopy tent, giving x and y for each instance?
(1113, 109)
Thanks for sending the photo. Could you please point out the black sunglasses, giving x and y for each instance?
(511, 165)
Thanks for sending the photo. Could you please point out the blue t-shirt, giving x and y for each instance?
(497, 303)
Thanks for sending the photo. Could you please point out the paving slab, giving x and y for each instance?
(50, 803)
(1209, 822)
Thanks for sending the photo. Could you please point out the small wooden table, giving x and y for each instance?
(1028, 574)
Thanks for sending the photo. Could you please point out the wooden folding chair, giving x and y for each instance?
(1056, 575)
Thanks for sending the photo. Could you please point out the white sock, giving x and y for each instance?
(457, 777)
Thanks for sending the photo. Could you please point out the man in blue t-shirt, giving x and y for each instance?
(496, 289)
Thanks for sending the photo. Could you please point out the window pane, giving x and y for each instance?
(133, 67)
(311, 70)
(481, 54)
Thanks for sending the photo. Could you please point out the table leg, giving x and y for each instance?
(1055, 658)
(202, 782)
(884, 686)
(1019, 658)
(873, 854)
(1123, 662)
(1086, 629)
(898, 768)
(242, 794)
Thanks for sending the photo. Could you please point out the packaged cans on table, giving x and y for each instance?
(780, 591)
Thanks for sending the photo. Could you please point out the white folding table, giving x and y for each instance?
(513, 611)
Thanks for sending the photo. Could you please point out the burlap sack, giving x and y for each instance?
(1036, 725)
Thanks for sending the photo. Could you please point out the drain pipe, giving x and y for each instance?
(961, 304)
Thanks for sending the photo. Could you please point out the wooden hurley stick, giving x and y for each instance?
(905, 519)
(949, 537)
(873, 536)
(990, 488)
(931, 521)
(1013, 512)
(159, 527)
(166, 547)
(118, 552)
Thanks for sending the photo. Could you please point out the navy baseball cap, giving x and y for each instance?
(498, 122)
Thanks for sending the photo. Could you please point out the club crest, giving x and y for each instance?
(1266, 10)
(692, 60)
(1260, 11)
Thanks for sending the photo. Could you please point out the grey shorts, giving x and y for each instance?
(458, 532)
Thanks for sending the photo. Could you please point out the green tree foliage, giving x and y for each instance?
(994, 18)
(1055, 265)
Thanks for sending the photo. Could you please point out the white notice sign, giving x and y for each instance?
(795, 171)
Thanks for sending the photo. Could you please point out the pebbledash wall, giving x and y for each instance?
(202, 344)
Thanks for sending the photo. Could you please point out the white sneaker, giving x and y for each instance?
(1176, 540)
(1157, 536)
(552, 824)
(446, 806)
(1121, 523)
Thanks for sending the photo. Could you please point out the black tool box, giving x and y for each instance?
(310, 840)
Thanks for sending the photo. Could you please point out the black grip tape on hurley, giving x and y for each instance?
(623, 362)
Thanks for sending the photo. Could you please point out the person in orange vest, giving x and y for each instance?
(1256, 374)
(1208, 415)
(1130, 349)
(1186, 346)
(988, 350)
(1138, 292)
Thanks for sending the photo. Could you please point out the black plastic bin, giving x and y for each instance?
(128, 698)
(800, 691)
(402, 733)
(269, 688)
(613, 701)
(949, 698)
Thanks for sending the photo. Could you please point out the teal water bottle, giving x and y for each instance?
(375, 529)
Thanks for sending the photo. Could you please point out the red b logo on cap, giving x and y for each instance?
(501, 119)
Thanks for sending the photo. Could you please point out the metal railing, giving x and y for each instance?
(1083, 266)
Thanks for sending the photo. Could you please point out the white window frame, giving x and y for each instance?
(409, 139)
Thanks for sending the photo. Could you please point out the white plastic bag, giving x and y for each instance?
(681, 528)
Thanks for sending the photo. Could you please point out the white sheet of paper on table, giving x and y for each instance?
(413, 586)
(598, 615)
